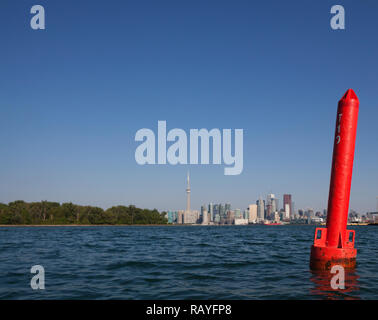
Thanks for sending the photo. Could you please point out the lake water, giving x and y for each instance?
(177, 262)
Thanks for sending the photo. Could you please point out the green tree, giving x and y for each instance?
(45, 212)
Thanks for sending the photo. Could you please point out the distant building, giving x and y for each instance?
(172, 216)
(216, 210)
(221, 210)
(354, 217)
(191, 217)
(252, 213)
(205, 217)
(211, 211)
(271, 206)
(240, 221)
(292, 210)
(260, 209)
(246, 214)
(309, 213)
(230, 217)
(268, 210)
(372, 217)
(276, 217)
(203, 209)
(180, 217)
(188, 193)
(287, 201)
(287, 211)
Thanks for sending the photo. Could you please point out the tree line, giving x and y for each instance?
(54, 213)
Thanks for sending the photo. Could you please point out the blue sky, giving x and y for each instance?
(73, 96)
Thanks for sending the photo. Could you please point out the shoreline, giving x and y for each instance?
(82, 225)
(153, 225)
(138, 225)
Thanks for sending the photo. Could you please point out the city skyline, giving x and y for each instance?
(261, 212)
(242, 205)
(268, 206)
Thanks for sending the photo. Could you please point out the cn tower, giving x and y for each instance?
(188, 194)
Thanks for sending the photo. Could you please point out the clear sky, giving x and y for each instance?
(72, 97)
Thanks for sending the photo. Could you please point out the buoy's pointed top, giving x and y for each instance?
(349, 95)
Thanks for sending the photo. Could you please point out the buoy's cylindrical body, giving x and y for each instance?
(336, 243)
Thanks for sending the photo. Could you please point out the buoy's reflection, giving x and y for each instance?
(323, 289)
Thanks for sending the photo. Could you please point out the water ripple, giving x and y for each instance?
(238, 262)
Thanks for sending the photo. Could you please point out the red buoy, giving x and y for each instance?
(334, 245)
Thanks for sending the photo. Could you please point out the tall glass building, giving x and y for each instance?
(172, 216)
(211, 211)
(238, 214)
(260, 209)
(216, 209)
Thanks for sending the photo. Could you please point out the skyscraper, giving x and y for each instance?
(252, 213)
(211, 211)
(292, 210)
(180, 217)
(172, 216)
(237, 214)
(287, 201)
(270, 206)
(260, 209)
(216, 209)
(287, 211)
(230, 217)
(190, 216)
(221, 210)
(205, 217)
(268, 211)
(203, 211)
(188, 194)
